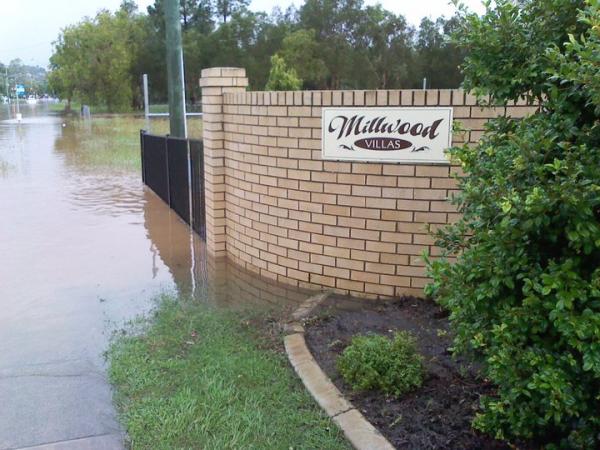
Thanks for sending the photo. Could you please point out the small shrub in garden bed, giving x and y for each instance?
(377, 362)
(524, 294)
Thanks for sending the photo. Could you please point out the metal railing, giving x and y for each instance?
(174, 169)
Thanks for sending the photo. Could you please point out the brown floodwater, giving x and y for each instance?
(84, 248)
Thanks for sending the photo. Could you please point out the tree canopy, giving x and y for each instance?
(330, 44)
(94, 61)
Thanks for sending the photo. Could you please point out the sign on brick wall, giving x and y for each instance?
(404, 135)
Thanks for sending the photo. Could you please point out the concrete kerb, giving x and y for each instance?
(358, 430)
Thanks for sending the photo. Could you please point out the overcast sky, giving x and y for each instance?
(28, 27)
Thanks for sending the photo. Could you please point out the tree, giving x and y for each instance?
(334, 23)
(202, 18)
(301, 51)
(332, 44)
(437, 58)
(524, 293)
(361, 47)
(33, 78)
(190, 11)
(281, 77)
(129, 7)
(386, 39)
(226, 8)
(93, 59)
(63, 66)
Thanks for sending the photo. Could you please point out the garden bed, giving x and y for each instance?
(437, 415)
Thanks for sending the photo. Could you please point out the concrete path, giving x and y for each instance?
(50, 401)
(103, 442)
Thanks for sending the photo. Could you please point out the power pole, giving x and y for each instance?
(146, 102)
(175, 70)
(17, 95)
(7, 88)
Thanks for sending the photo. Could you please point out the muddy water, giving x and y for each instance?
(84, 247)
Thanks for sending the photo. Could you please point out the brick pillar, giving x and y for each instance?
(214, 83)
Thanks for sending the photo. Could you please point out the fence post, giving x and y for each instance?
(214, 83)
(142, 132)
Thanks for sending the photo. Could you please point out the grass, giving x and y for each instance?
(76, 108)
(102, 109)
(160, 126)
(164, 108)
(198, 378)
(159, 108)
(112, 142)
(60, 107)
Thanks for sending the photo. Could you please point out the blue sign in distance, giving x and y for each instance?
(20, 89)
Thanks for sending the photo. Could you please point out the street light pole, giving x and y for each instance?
(175, 69)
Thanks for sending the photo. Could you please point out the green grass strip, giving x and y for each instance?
(196, 378)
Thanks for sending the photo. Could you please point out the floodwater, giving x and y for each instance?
(85, 247)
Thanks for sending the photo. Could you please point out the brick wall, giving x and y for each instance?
(356, 227)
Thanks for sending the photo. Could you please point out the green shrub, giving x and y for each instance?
(282, 77)
(524, 293)
(377, 362)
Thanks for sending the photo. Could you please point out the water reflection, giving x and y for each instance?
(66, 199)
(218, 282)
(84, 247)
(113, 196)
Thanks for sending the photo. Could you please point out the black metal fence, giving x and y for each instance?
(170, 166)
(155, 165)
(179, 177)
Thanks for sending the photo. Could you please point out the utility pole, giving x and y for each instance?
(175, 70)
(6, 80)
(146, 102)
(17, 95)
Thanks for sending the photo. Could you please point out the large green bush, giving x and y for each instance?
(377, 362)
(524, 293)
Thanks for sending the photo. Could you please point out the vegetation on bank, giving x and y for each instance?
(524, 294)
(329, 45)
(196, 377)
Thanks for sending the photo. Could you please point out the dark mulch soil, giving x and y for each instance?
(435, 416)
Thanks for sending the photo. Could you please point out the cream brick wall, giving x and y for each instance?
(215, 82)
(276, 208)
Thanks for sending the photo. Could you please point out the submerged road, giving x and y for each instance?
(76, 261)
(84, 248)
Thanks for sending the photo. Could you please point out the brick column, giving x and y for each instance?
(214, 83)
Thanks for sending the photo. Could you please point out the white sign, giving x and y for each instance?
(405, 135)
